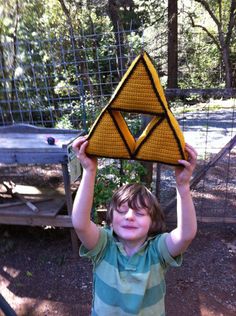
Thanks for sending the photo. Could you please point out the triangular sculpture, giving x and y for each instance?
(139, 91)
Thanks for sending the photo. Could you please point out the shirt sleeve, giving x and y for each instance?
(165, 256)
(96, 254)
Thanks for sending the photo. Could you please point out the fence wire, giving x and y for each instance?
(65, 82)
(45, 81)
(209, 127)
(59, 80)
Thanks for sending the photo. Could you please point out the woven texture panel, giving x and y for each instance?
(107, 138)
(136, 93)
(139, 91)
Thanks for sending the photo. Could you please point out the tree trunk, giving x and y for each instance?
(226, 60)
(113, 12)
(4, 76)
(80, 59)
(172, 44)
(13, 83)
(224, 40)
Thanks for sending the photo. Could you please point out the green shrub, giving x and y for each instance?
(112, 174)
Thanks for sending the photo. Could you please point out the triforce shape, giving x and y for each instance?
(139, 91)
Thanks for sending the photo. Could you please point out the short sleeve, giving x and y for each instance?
(96, 254)
(165, 256)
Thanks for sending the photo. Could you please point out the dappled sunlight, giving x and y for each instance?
(27, 189)
(33, 306)
(13, 273)
(206, 311)
(4, 282)
(28, 305)
(209, 305)
(6, 276)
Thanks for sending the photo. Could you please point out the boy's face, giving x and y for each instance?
(131, 225)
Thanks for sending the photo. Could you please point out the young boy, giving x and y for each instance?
(130, 259)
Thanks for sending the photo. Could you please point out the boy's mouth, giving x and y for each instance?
(129, 227)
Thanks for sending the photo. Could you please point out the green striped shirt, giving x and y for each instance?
(128, 286)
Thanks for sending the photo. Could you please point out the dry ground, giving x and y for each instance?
(39, 276)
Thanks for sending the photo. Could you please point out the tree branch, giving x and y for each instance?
(205, 4)
(68, 17)
(205, 30)
(232, 21)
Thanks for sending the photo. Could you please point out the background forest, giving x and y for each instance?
(66, 57)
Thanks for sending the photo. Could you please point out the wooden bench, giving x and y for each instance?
(22, 144)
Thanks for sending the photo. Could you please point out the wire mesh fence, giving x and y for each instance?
(210, 128)
(46, 80)
(68, 80)
(65, 82)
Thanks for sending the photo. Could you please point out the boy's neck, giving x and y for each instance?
(132, 247)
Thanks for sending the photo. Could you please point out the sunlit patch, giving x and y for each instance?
(28, 189)
(11, 271)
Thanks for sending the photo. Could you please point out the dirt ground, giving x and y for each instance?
(39, 276)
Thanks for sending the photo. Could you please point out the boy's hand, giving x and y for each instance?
(183, 174)
(88, 163)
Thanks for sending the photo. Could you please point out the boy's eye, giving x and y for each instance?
(122, 209)
(140, 213)
(119, 211)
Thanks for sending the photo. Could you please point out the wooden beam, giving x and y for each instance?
(57, 221)
(27, 128)
(208, 219)
(214, 92)
(12, 204)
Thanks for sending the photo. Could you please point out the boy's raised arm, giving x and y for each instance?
(86, 230)
(179, 239)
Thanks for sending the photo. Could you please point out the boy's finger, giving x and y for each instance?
(191, 148)
(184, 163)
(192, 155)
(83, 146)
(78, 141)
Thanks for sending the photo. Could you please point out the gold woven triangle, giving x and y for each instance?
(139, 91)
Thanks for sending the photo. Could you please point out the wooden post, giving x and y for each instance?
(6, 308)
(158, 182)
(69, 203)
(147, 178)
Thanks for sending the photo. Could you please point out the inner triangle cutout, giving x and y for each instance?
(139, 91)
(136, 122)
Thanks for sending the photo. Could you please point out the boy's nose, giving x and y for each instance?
(130, 214)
